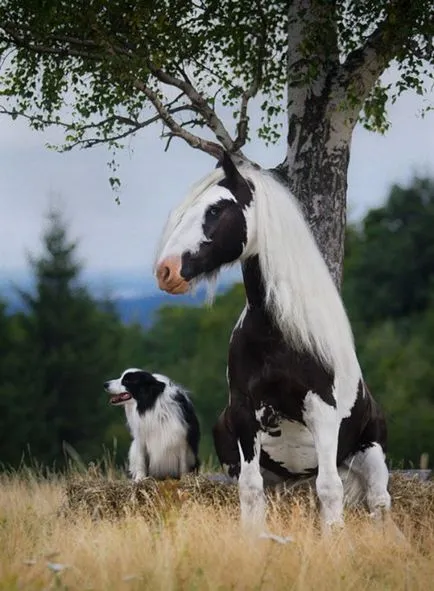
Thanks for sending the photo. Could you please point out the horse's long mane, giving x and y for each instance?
(300, 292)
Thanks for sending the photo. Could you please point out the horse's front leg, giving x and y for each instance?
(322, 420)
(238, 446)
(237, 442)
(226, 444)
(246, 436)
(250, 483)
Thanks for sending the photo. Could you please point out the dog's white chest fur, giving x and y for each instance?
(160, 438)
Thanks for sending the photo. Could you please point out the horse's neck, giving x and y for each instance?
(253, 283)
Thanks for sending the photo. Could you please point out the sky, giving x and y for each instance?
(119, 240)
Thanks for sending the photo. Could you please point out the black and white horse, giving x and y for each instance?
(297, 400)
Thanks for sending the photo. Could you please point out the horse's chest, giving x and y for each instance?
(288, 443)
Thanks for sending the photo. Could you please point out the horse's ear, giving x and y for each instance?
(235, 182)
(230, 169)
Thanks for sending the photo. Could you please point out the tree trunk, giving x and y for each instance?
(316, 172)
(319, 130)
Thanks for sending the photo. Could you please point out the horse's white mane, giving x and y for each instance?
(300, 292)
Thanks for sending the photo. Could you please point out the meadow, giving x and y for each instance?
(197, 544)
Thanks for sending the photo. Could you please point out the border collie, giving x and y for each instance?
(162, 422)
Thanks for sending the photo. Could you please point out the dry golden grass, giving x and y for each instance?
(197, 545)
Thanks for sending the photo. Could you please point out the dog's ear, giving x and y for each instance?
(145, 378)
(129, 378)
(137, 378)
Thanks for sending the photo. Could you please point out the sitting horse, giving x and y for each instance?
(298, 404)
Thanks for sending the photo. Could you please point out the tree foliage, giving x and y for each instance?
(120, 65)
(391, 262)
(389, 291)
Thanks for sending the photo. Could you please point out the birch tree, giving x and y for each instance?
(107, 69)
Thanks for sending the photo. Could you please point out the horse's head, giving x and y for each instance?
(207, 232)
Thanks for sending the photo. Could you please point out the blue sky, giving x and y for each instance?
(117, 241)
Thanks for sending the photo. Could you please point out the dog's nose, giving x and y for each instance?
(106, 385)
(169, 275)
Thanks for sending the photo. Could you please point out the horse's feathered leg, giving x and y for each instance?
(250, 485)
(321, 419)
(252, 497)
(370, 464)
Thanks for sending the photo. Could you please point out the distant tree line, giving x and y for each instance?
(389, 293)
(55, 355)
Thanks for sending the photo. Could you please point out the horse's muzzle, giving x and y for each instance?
(169, 276)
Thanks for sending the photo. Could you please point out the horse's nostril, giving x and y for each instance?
(106, 385)
(169, 274)
(164, 273)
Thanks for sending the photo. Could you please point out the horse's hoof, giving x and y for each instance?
(383, 520)
(279, 539)
(139, 479)
(380, 513)
(333, 528)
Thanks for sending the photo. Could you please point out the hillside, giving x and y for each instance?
(134, 304)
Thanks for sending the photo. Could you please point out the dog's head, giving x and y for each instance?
(135, 384)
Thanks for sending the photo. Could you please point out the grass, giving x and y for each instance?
(198, 545)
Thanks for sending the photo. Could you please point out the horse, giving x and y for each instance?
(298, 403)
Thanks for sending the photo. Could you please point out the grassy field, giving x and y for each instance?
(199, 547)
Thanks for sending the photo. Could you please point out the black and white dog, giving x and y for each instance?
(162, 421)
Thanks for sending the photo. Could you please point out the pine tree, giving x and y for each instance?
(71, 346)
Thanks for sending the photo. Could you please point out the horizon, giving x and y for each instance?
(118, 285)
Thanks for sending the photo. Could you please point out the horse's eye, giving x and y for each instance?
(214, 211)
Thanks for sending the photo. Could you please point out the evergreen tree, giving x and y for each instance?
(70, 347)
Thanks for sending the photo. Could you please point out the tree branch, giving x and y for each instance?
(177, 130)
(199, 102)
(75, 41)
(243, 121)
(21, 41)
(133, 124)
(90, 142)
(90, 50)
(364, 65)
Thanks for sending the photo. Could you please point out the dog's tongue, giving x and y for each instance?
(120, 397)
